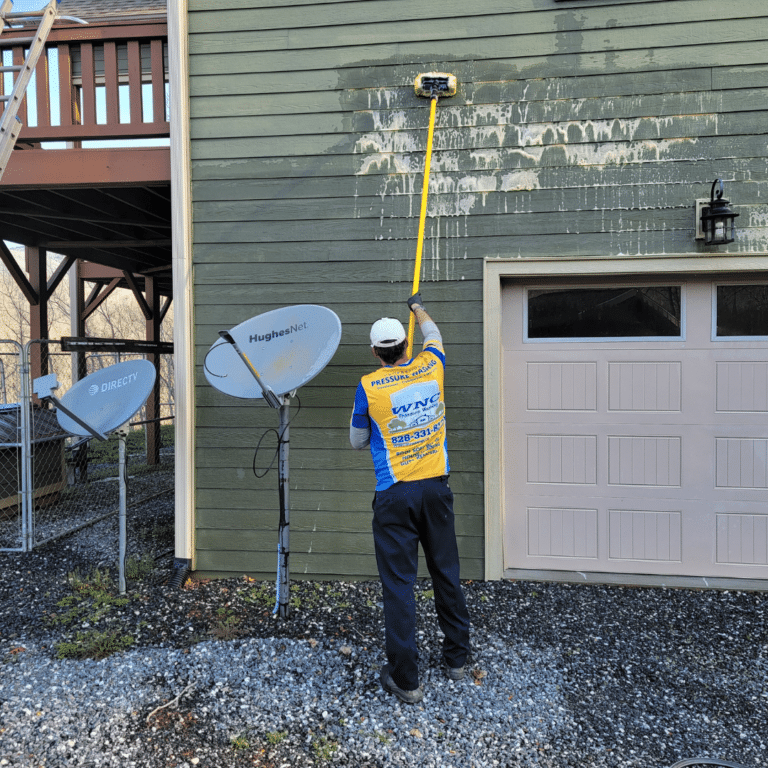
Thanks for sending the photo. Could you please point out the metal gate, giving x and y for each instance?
(54, 483)
(13, 523)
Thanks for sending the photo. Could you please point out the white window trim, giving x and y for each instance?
(497, 269)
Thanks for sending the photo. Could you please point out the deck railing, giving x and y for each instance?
(94, 83)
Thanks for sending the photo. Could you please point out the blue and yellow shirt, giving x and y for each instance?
(404, 408)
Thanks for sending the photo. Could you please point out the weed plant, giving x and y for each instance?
(93, 645)
(324, 748)
(93, 599)
(137, 568)
(240, 742)
(227, 626)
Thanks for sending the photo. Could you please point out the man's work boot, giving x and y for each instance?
(388, 684)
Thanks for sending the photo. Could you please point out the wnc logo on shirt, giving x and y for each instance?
(415, 405)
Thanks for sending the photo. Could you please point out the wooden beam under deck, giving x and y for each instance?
(142, 166)
(31, 295)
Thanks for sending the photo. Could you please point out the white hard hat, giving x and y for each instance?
(387, 332)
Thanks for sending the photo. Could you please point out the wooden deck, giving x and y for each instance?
(107, 203)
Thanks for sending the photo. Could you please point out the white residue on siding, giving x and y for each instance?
(517, 181)
(758, 217)
(485, 162)
(755, 236)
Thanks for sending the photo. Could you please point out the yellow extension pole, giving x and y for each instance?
(422, 219)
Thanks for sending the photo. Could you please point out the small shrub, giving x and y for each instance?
(227, 627)
(93, 645)
(261, 594)
(137, 568)
(240, 742)
(93, 599)
(324, 748)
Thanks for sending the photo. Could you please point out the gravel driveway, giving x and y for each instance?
(203, 675)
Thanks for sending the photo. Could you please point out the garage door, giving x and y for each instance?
(635, 419)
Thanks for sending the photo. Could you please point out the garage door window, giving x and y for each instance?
(741, 310)
(621, 312)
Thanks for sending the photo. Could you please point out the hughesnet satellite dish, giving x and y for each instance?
(99, 404)
(107, 398)
(270, 356)
(287, 346)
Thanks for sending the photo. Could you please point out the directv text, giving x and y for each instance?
(107, 386)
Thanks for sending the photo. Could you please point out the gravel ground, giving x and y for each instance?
(203, 675)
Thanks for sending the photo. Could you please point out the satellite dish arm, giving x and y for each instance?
(271, 398)
(76, 418)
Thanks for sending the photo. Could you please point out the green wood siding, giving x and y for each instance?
(579, 129)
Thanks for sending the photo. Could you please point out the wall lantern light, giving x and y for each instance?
(714, 219)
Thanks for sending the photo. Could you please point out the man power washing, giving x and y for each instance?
(400, 412)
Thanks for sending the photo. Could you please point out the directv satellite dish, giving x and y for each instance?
(267, 357)
(101, 403)
(287, 346)
(107, 398)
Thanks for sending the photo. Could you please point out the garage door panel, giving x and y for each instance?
(742, 386)
(642, 534)
(741, 463)
(615, 537)
(545, 457)
(556, 530)
(742, 539)
(561, 386)
(568, 532)
(567, 459)
(644, 460)
(644, 386)
(637, 457)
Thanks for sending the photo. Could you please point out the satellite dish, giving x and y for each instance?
(269, 356)
(288, 347)
(107, 398)
(98, 404)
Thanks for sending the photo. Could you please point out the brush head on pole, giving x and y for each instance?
(429, 84)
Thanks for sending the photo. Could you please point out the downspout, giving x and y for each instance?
(181, 233)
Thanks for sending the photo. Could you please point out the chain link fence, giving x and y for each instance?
(12, 521)
(69, 481)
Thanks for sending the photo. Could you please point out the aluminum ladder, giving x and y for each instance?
(10, 125)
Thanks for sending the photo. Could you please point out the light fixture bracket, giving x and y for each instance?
(701, 203)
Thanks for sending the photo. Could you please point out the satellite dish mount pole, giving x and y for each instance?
(283, 607)
(307, 337)
(122, 434)
(283, 404)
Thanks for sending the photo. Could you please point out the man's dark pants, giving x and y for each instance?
(404, 515)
